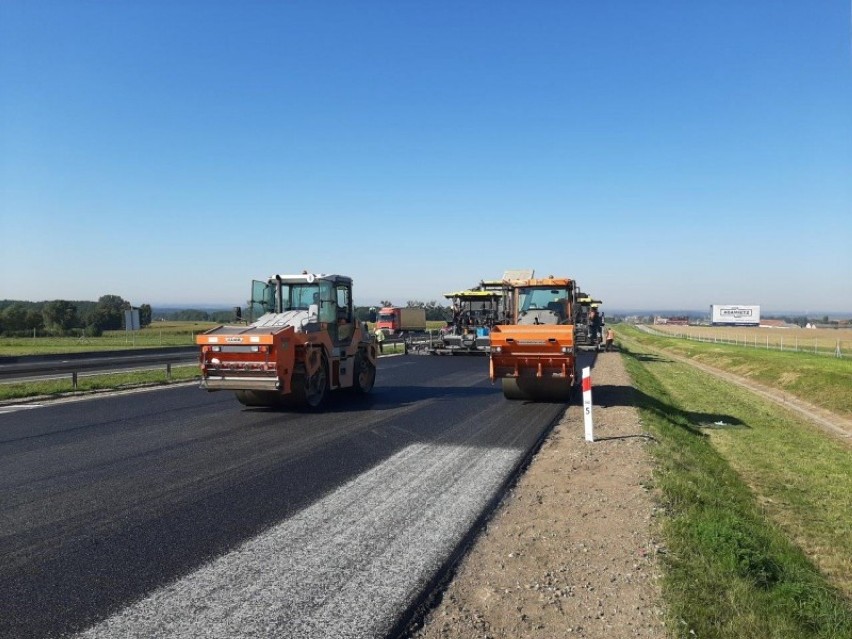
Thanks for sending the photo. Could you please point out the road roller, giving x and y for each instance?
(533, 352)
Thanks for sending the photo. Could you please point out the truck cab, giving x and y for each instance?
(388, 320)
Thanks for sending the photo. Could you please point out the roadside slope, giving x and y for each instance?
(571, 550)
(831, 422)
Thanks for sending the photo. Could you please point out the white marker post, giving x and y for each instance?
(587, 404)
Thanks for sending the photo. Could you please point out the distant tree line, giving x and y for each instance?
(197, 315)
(362, 313)
(67, 318)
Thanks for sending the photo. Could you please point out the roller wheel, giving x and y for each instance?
(364, 375)
(537, 390)
(258, 398)
(313, 389)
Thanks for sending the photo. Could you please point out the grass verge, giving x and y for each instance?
(103, 381)
(758, 509)
(820, 380)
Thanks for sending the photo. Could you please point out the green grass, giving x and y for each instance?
(818, 379)
(88, 383)
(155, 336)
(757, 513)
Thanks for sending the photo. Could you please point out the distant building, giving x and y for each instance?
(680, 320)
(774, 323)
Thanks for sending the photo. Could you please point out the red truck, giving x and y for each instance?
(394, 319)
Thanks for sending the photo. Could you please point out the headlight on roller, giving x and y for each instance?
(567, 350)
(496, 349)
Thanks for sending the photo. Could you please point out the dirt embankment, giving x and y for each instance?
(571, 551)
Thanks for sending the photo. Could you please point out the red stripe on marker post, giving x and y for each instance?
(587, 404)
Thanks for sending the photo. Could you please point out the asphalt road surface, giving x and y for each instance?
(179, 513)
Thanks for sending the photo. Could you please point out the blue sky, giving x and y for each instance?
(664, 154)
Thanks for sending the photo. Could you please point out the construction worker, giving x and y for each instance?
(610, 337)
(595, 326)
(380, 338)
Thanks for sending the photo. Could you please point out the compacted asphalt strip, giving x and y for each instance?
(179, 513)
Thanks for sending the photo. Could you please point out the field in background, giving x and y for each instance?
(158, 334)
(820, 340)
(153, 336)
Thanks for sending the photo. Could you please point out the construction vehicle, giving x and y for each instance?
(588, 326)
(532, 353)
(393, 320)
(475, 311)
(304, 343)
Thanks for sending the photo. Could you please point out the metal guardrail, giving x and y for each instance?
(34, 367)
(6, 360)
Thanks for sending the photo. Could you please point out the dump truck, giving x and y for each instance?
(588, 327)
(394, 319)
(532, 353)
(304, 343)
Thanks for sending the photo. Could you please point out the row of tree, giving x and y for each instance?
(63, 317)
(197, 315)
(91, 319)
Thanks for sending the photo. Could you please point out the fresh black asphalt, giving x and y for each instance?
(106, 501)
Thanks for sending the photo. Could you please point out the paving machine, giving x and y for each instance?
(588, 325)
(475, 311)
(532, 352)
(304, 343)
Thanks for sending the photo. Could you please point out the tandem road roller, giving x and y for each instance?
(533, 352)
(304, 344)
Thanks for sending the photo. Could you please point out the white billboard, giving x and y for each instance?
(735, 315)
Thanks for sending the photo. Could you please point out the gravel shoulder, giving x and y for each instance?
(571, 550)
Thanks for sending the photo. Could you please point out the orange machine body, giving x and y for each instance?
(533, 352)
(291, 353)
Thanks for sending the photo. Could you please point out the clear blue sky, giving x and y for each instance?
(665, 154)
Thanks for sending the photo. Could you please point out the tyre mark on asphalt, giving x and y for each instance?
(343, 567)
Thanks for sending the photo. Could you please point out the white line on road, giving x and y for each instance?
(13, 408)
(345, 567)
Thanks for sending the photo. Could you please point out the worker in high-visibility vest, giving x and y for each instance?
(610, 337)
(380, 338)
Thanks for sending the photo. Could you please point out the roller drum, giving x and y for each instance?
(534, 389)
